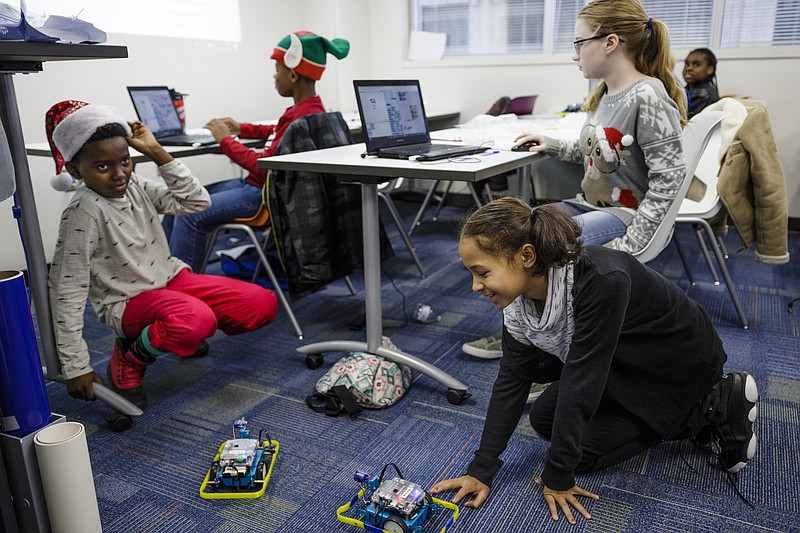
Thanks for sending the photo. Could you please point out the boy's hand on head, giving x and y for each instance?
(82, 387)
(219, 128)
(565, 498)
(143, 140)
(466, 485)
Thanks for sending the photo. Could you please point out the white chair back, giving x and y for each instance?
(696, 136)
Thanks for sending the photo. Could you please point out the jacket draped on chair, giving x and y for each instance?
(751, 181)
(316, 218)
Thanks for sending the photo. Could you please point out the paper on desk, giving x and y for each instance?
(72, 30)
(18, 23)
(426, 46)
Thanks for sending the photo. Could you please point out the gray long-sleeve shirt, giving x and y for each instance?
(111, 249)
(632, 153)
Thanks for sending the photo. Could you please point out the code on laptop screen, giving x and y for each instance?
(392, 111)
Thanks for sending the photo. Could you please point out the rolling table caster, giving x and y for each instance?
(119, 421)
(314, 360)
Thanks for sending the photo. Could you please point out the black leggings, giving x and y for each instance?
(613, 435)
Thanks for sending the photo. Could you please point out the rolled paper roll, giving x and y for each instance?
(67, 480)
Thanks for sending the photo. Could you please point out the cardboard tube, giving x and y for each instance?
(67, 478)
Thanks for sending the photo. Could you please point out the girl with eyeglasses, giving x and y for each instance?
(630, 146)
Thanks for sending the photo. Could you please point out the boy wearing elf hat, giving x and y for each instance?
(299, 62)
(111, 250)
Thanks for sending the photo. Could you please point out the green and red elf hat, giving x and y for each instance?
(305, 52)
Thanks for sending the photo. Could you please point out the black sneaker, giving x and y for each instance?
(735, 434)
(201, 351)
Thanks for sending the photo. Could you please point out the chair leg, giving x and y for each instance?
(721, 243)
(399, 223)
(212, 240)
(474, 193)
(441, 202)
(682, 256)
(725, 274)
(263, 262)
(276, 287)
(264, 246)
(424, 206)
(704, 250)
(350, 285)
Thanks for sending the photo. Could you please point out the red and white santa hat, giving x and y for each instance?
(68, 125)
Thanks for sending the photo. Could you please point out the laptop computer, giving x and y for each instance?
(154, 107)
(394, 123)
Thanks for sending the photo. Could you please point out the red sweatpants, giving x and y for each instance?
(191, 307)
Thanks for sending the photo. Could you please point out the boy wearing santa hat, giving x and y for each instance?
(111, 250)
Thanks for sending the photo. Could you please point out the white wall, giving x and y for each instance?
(237, 81)
(221, 79)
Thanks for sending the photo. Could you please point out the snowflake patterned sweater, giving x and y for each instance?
(632, 154)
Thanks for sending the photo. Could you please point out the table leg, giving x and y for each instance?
(457, 391)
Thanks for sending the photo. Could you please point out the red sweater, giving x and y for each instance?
(246, 158)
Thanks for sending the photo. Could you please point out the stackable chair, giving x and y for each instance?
(705, 212)
(308, 193)
(696, 135)
(251, 226)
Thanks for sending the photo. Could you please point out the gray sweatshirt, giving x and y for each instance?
(111, 249)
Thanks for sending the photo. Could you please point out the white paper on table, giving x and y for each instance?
(426, 46)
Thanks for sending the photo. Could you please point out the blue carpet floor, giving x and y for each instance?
(148, 477)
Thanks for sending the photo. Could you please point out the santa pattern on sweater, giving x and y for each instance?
(632, 153)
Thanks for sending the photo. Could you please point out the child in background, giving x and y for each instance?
(299, 63)
(700, 75)
(631, 145)
(632, 359)
(112, 250)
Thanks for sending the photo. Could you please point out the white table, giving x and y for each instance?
(544, 178)
(369, 172)
(43, 149)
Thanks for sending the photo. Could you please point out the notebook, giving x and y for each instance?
(154, 107)
(394, 123)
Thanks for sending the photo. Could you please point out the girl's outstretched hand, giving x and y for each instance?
(565, 498)
(466, 485)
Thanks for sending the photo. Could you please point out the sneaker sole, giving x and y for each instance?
(750, 390)
(482, 354)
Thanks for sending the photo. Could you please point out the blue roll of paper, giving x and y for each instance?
(23, 398)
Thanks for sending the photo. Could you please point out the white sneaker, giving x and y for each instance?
(485, 348)
(536, 390)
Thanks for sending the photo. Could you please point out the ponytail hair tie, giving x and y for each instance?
(649, 26)
(533, 215)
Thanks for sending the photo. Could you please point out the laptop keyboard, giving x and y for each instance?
(190, 137)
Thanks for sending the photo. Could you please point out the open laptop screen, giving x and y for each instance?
(154, 107)
(392, 113)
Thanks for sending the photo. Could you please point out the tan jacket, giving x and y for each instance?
(753, 188)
